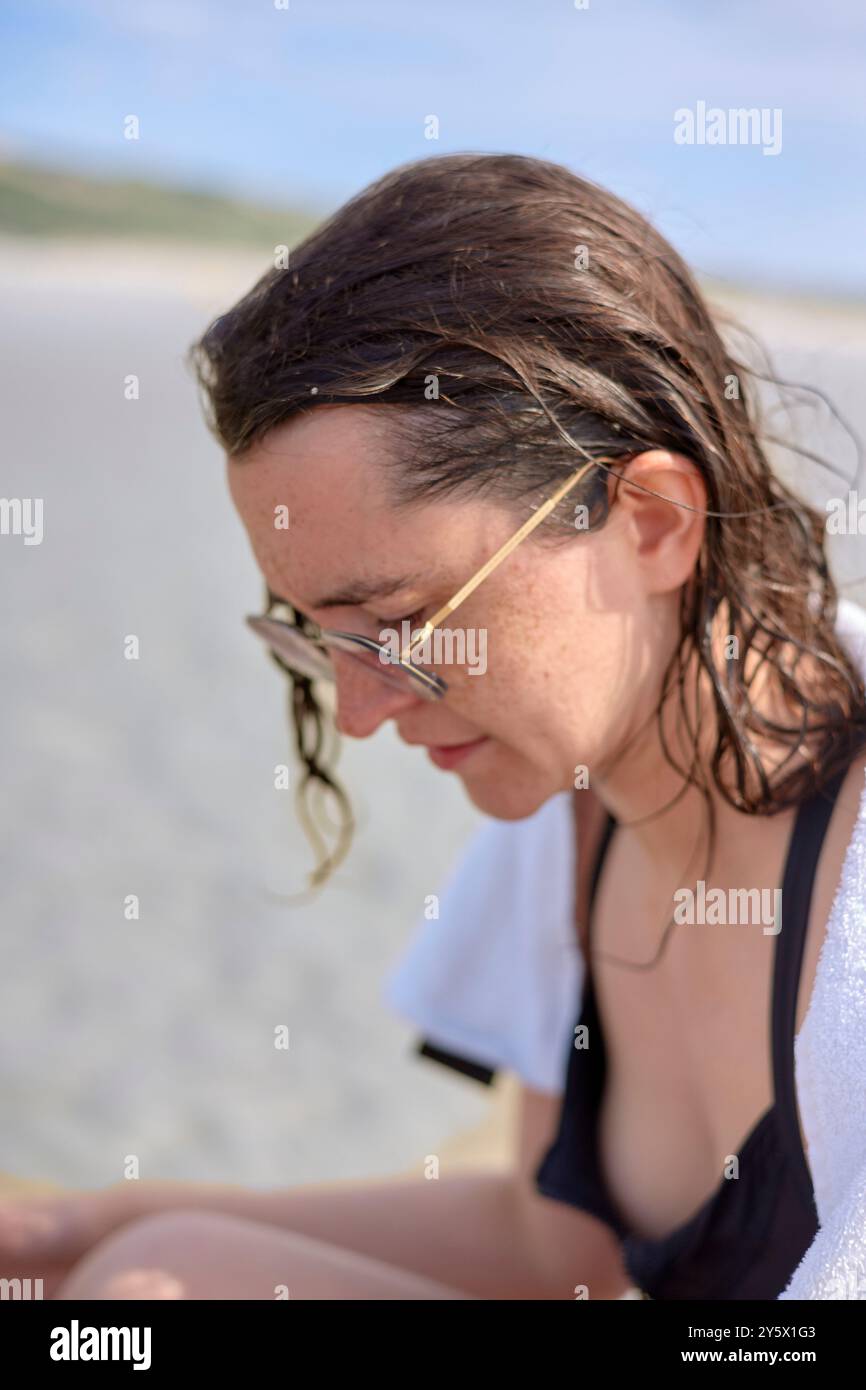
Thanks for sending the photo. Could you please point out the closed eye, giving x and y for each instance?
(413, 619)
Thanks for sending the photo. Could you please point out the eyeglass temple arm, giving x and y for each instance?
(529, 525)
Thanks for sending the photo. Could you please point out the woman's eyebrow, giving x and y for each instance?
(362, 590)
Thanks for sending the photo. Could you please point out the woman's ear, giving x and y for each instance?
(663, 515)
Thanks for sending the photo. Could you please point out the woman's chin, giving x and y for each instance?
(502, 792)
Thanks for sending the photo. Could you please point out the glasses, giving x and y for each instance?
(305, 651)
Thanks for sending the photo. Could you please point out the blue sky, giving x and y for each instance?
(310, 103)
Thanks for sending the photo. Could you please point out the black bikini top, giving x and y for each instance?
(746, 1240)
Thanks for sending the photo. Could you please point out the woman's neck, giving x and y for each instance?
(667, 815)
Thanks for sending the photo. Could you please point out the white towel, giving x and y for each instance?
(830, 1072)
(498, 978)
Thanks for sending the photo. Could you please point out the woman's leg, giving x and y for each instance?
(203, 1254)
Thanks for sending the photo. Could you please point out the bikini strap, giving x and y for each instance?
(801, 863)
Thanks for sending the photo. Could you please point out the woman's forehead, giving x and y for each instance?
(317, 483)
(315, 500)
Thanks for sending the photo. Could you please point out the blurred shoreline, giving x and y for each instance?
(204, 274)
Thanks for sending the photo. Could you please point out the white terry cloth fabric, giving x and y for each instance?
(498, 976)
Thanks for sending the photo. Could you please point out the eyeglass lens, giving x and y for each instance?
(303, 655)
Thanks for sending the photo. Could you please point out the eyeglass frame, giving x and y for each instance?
(434, 685)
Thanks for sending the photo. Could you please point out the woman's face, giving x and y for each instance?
(577, 635)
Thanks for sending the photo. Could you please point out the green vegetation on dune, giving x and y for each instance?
(38, 201)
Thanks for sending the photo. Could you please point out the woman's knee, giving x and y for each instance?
(140, 1259)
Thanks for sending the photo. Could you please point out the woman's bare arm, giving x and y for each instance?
(488, 1233)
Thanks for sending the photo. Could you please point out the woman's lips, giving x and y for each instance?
(449, 757)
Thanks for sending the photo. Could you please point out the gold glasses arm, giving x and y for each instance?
(511, 544)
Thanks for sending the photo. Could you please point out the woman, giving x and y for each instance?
(488, 388)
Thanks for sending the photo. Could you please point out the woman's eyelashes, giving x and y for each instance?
(413, 619)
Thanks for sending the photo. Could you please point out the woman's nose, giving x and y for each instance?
(364, 699)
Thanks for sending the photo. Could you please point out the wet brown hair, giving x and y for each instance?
(525, 318)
